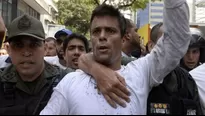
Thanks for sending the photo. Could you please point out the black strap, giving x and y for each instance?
(9, 93)
(44, 93)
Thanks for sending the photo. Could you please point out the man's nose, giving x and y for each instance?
(191, 56)
(102, 36)
(77, 52)
(26, 53)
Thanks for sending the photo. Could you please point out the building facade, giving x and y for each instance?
(199, 11)
(43, 10)
(152, 14)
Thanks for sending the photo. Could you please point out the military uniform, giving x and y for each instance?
(27, 98)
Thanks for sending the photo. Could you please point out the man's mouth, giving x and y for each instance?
(27, 62)
(103, 49)
(75, 61)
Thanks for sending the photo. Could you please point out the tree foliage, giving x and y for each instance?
(75, 14)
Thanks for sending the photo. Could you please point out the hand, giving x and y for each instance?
(109, 83)
(112, 86)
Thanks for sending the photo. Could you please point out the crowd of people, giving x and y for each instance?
(63, 75)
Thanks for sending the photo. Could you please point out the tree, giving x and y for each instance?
(125, 4)
(75, 14)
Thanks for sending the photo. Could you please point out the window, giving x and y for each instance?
(157, 4)
(5, 11)
(0, 5)
(157, 17)
(154, 22)
(157, 10)
(9, 12)
(38, 16)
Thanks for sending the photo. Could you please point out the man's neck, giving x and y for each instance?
(128, 49)
(116, 65)
(62, 62)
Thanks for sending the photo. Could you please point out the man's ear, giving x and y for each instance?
(151, 45)
(127, 36)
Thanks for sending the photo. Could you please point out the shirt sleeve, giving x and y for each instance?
(198, 75)
(57, 105)
(171, 47)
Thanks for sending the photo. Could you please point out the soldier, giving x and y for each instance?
(26, 85)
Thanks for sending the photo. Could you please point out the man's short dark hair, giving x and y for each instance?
(108, 10)
(75, 36)
(155, 31)
(128, 24)
(50, 39)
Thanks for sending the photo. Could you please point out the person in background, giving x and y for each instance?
(50, 44)
(59, 59)
(194, 56)
(131, 39)
(74, 46)
(3, 52)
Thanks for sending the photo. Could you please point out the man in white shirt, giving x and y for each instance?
(199, 76)
(77, 94)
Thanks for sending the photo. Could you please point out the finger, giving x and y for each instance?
(122, 95)
(121, 79)
(124, 89)
(110, 101)
(117, 99)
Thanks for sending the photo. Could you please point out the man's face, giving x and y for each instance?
(59, 46)
(159, 35)
(106, 39)
(3, 52)
(134, 36)
(74, 50)
(27, 55)
(50, 48)
(191, 59)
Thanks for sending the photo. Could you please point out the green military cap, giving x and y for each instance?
(26, 25)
